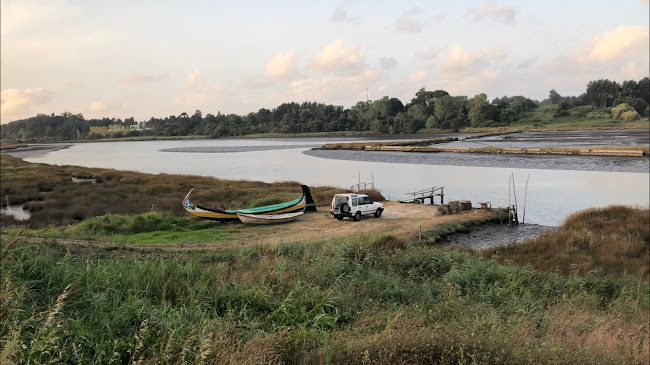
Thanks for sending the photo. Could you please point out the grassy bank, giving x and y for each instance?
(362, 145)
(364, 299)
(53, 198)
(614, 241)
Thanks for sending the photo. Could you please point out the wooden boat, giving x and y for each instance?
(269, 218)
(223, 215)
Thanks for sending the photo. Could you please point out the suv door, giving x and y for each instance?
(367, 206)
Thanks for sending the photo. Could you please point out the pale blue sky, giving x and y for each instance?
(157, 58)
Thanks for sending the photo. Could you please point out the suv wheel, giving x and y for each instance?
(357, 217)
(339, 217)
(345, 208)
(378, 213)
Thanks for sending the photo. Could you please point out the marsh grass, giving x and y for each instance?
(360, 299)
(53, 199)
(613, 241)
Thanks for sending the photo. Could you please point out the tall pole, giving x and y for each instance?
(523, 219)
(509, 206)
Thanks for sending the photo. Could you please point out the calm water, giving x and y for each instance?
(552, 195)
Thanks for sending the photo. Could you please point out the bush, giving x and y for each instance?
(620, 109)
(630, 116)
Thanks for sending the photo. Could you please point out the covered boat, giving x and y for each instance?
(268, 218)
(223, 215)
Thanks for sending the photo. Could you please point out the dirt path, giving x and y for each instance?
(401, 220)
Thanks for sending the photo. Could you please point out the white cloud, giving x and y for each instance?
(143, 78)
(460, 62)
(472, 84)
(97, 106)
(17, 102)
(194, 94)
(490, 10)
(408, 22)
(194, 80)
(283, 66)
(22, 15)
(311, 90)
(341, 16)
(387, 62)
(418, 77)
(432, 52)
(338, 60)
(619, 44)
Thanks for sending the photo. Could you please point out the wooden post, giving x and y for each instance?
(523, 220)
(420, 234)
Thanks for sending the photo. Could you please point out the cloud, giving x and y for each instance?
(194, 93)
(338, 60)
(143, 78)
(461, 62)
(387, 62)
(310, 89)
(20, 101)
(432, 52)
(619, 44)
(22, 15)
(418, 77)
(283, 66)
(341, 16)
(490, 10)
(408, 23)
(97, 106)
(471, 84)
(364, 78)
(194, 80)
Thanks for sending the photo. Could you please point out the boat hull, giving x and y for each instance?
(268, 218)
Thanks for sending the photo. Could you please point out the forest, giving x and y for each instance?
(426, 111)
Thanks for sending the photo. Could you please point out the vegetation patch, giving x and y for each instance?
(613, 241)
(363, 299)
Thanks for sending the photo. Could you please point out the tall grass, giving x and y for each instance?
(54, 199)
(363, 299)
(613, 240)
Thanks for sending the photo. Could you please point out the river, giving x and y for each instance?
(558, 186)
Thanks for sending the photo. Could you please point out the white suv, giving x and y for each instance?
(354, 206)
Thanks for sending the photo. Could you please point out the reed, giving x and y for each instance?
(366, 298)
(611, 241)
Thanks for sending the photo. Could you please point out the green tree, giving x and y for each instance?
(451, 112)
(554, 97)
(601, 93)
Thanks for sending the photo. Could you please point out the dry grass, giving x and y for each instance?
(11, 146)
(613, 240)
(52, 198)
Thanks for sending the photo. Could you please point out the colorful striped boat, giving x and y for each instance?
(223, 215)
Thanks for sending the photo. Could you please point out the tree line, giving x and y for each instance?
(427, 109)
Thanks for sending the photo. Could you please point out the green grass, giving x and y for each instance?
(362, 299)
(147, 228)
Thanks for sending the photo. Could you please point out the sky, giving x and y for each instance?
(146, 59)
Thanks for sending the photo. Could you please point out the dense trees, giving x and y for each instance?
(431, 109)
